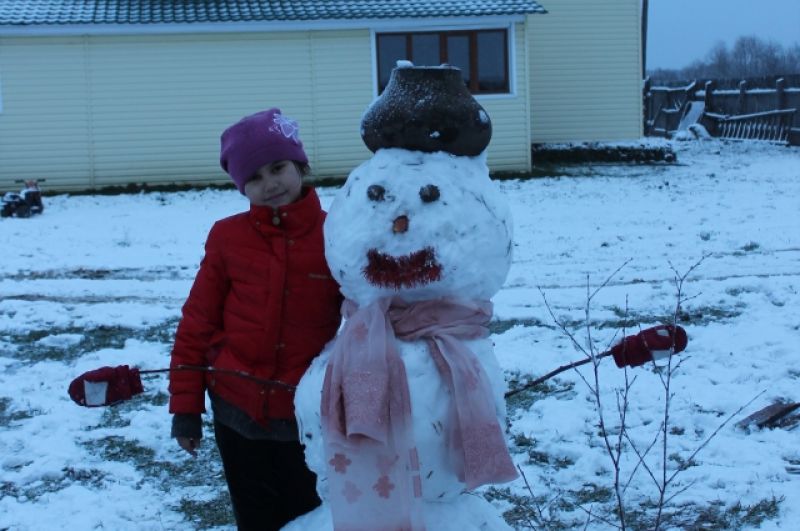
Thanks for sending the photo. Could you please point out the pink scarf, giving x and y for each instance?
(373, 468)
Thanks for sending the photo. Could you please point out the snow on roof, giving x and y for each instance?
(67, 12)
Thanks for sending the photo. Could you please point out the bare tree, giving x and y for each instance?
(750, 56)
(718, 61)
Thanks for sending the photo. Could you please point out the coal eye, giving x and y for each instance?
(429, 193)
(376, 192)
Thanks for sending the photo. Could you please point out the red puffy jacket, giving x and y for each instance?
(263, 302)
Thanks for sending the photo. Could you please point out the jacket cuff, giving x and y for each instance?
(187, 403)
(188, 425)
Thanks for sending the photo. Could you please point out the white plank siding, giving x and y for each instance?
(341, 70)
(161, 102)
(585, 71)
(150, 108)
(509, 149)
(44, 124)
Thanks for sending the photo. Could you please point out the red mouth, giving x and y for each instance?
(415, 269)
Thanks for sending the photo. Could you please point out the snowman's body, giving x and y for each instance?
(388, 233)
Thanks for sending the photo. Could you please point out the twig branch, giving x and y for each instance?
(540, 379)
(641, 461)
(713, 434)
(668, 394)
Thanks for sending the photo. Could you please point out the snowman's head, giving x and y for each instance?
(421, 225)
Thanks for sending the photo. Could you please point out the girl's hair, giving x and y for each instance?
(302, 167)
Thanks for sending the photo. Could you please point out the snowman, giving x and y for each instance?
(403, 414)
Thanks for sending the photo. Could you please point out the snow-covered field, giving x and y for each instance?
(99, 280)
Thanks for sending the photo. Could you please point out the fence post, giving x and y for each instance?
(780, 92)
(743, 96)
(709, 97)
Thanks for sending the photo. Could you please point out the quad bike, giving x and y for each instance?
(24, 204)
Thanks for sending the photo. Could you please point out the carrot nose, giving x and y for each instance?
(400, 224)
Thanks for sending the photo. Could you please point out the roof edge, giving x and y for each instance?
(64, 30)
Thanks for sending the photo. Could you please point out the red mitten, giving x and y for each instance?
(106, 386)
(649, 345)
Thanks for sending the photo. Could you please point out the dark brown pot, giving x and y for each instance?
(427, 109)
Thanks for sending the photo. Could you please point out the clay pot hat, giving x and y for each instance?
(429, 109)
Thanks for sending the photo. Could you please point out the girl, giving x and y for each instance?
(263, 303)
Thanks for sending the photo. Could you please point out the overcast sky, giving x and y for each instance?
(682, 31)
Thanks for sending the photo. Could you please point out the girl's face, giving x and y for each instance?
(275, 184)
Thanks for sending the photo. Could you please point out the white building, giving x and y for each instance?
(103, 93)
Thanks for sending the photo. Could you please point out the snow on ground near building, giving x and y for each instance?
(99, 280)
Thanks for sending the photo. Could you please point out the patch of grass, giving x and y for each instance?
(681, 461)
(629, 320)
(161, 333)
(8, 489)
(556, 510)
(84, 476)
(700, 315)
(9, 415)
(94, 339)
(158, 399)
(593, 152)
(529, 513)
(521, 441)
(704, 315)
(591, 493)
(716, 516)
(524, 444)
(525, 398)
(501, 326)
(117, 448)
(556, 463)
(735, 292)
(204, 471)
(54, 483)
(113, 416)
(206, 514)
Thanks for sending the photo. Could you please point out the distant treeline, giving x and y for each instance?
(750, 57)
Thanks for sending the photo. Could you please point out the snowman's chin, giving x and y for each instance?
(402, 272)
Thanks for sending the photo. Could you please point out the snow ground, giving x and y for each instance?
(99, 280)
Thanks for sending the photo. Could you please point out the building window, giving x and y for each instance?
(482, 56)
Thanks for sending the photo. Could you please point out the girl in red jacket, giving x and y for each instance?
(263, 303)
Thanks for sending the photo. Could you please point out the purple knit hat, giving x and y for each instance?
(256, 140)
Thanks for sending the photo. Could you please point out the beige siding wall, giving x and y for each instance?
(159, 103)
(585, 71)
(44, 124)
(150, 109)
(100, 111)
(342, 78)
(509, 149)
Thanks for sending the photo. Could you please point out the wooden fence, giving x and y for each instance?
(743, 113)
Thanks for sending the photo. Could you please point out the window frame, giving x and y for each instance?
(443, 33)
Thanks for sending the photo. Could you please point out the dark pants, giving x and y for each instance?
(268, 481)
